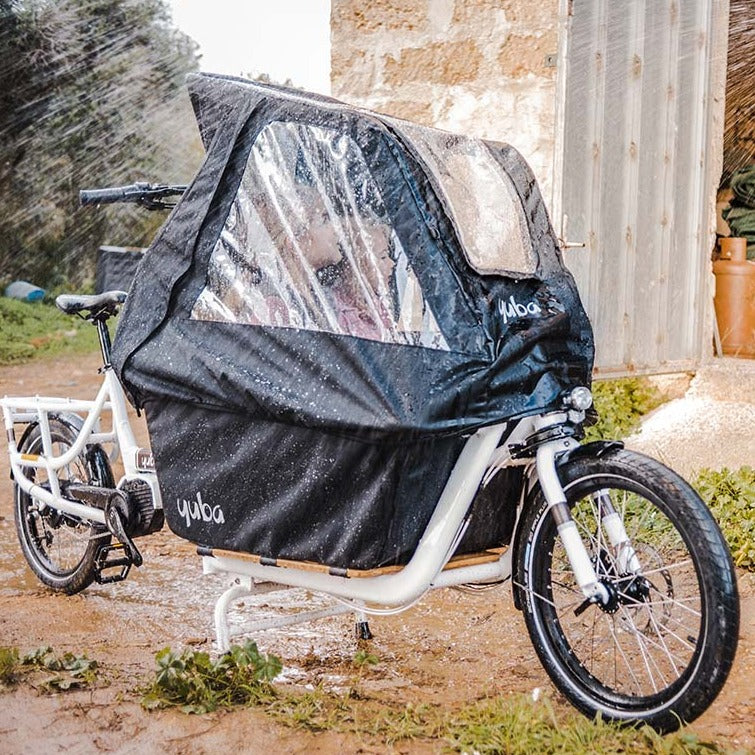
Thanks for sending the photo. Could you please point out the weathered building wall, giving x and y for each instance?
(474, 66)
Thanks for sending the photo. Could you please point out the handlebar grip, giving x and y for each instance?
(106, 196)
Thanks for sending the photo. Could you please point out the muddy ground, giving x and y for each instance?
(449, 649)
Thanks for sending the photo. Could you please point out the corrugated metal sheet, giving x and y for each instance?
(637, 176)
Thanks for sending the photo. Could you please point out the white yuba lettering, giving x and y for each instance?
(199, 511)
(512, 308)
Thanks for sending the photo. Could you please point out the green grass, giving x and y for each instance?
(500, 724)
(39, 329)
(731, 497)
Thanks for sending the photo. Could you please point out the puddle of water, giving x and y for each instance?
(171, 591)
(15, 575)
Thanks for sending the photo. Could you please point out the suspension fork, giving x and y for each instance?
(581, 565)
(626, 556)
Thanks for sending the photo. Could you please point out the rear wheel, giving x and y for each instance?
(661, 649)
(60, 548)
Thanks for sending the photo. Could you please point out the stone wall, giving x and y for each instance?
(480, 67)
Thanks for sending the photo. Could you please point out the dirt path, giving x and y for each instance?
(449, 649)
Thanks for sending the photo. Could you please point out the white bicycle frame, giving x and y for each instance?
(38, 409)
(482, 456)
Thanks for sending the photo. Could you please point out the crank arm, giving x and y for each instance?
(116, 510)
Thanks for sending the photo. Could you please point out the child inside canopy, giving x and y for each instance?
(339, 269)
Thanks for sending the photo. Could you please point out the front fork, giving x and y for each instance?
(581, 565)
(607, 517)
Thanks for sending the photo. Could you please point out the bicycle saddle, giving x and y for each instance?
(99, 304)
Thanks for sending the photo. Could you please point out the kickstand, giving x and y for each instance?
(362, 627)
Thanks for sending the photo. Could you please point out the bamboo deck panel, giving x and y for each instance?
(456, 562)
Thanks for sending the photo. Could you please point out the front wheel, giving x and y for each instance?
(61, 549)
(660, 650)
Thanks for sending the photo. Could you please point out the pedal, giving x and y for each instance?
(108, 558)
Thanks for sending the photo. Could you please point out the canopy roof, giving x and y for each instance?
(335, 268)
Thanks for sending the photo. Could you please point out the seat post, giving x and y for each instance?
(104, 335)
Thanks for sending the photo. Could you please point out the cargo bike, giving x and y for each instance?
(365, 372)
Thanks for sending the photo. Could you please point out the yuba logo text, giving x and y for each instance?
(199, 511)
(512, 308)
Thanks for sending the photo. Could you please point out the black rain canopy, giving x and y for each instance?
(339, 298)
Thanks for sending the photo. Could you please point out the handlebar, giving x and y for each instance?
(149, 196)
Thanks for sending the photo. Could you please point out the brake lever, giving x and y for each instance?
(153, 198)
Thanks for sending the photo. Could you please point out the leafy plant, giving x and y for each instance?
(363, 658)
(731, 497)
(197, 684)
(69, 671)
(620, 405)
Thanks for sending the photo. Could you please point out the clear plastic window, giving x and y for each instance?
(481, 199)
(307, 244)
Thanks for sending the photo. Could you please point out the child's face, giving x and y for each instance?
(318, 238)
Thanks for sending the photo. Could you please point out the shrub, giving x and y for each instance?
(620, 405)
(731, 497)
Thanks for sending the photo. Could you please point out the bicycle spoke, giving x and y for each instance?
(645, 659)
(674, 602)
(649, 622)
(660, 645)
(617, 646)
(666, 567)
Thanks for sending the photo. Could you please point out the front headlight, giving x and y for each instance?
(580, 398)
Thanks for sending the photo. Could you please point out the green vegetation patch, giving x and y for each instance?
(513, 724)
(49, 672)
(620, 405)
(195, 683)
(30, 330)
(731, 497)
(510, 724)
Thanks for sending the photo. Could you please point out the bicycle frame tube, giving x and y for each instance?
(38, 409)
(121, 425)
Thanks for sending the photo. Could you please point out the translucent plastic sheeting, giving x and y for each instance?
(307, 244)
(481, 199)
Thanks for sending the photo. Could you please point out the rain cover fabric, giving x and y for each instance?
(333, 286)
